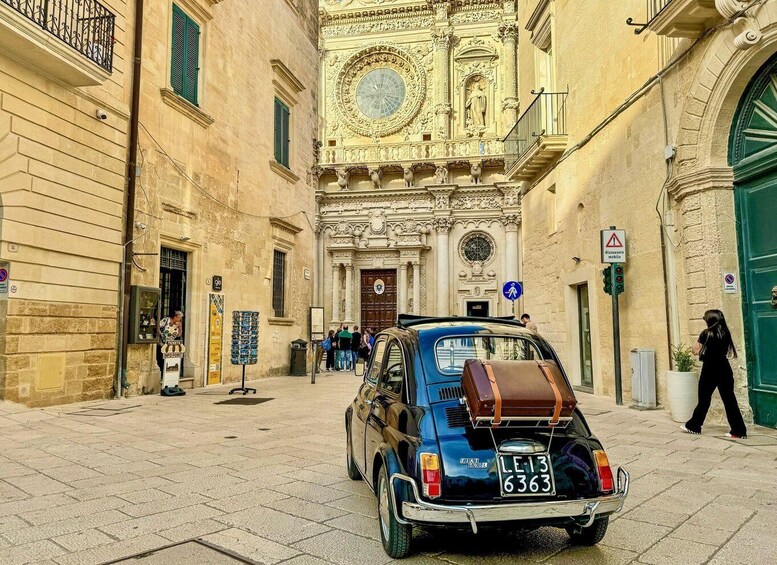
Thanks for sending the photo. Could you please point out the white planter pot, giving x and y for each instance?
(682, 391)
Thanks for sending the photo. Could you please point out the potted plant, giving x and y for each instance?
(682, 384)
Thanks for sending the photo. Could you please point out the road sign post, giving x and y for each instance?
(614, 252)
(512, 290)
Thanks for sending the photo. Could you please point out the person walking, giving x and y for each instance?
(329, 346)
(344, 349)
(526, 321)
(714, 348)
(365, 347)
(356, 339)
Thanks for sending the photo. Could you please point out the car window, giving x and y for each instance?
(376, 361)
(394, 371)
(452, 352)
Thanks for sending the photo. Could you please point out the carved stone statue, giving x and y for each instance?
(441, 174)
(476, 105)
(475, 171)
(376, 176)
(408, 175)
(342, 178)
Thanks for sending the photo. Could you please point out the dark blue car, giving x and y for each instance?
(409, 436)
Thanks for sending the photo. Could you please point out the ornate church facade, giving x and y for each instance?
(413, 211)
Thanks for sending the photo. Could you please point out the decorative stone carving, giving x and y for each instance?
(408, 175)
(508, 30)
(511, 222)
(343, 228)
(376, 176)
(470, 202)
(475, 171)
(512, 195)
(443, 224)
(343, 175)
(441, 175)
(442, 38)
(356, 68)
(378, 222)
(747, 33)
(477, 102)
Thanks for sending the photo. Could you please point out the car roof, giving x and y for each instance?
(433, 328)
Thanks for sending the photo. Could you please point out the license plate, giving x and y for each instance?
(526, 475)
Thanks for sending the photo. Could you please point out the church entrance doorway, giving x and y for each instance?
(378, 298)
(478, 309)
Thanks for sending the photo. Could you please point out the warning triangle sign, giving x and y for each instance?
(614, 242)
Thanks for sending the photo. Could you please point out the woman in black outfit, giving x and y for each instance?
(713, 348)
(330, 353)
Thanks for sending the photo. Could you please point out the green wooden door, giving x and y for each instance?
(753, 154)
(757, 211)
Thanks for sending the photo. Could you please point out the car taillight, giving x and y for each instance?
(431, 478)
(606, 481)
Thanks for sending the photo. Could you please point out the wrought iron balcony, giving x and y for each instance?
(539, 135)
(678, 18)
(85, 25)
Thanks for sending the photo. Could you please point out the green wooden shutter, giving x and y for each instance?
(192, 66)
(278, 134)
(281, 133)
(178, 49)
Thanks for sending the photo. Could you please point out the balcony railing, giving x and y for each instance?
(412, 151)
(85, 25)
(677, 18)
(543, 121)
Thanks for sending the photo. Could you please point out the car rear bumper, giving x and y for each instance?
(584, 511)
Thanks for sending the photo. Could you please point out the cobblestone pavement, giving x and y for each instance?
(94, 482)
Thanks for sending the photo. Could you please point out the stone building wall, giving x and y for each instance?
(613, 172)
(210, 186)
(61, 193)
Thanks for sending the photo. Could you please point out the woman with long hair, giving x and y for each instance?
(714, 347)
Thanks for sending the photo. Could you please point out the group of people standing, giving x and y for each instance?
(343, 347)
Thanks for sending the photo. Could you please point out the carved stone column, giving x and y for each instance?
(402, 290)
(416, 287)
(508, 33)
(336, 293)
(442, 39)
(348, 294)
(510, 223)
(443, 227)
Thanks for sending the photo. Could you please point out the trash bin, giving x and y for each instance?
(298, 365)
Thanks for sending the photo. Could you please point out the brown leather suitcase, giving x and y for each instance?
(504, 392)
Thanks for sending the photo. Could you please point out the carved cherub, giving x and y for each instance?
(441, 174)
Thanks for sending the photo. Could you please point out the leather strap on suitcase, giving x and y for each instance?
(497, 395)
(552, 382)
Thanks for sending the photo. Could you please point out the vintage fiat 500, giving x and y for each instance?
(410, 436)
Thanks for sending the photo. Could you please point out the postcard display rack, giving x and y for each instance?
(245, 343)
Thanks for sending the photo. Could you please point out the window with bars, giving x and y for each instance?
(278, 283)
(185, 67)
(282, 133)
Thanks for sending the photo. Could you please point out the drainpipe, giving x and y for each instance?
(667, 246)
(129, 218)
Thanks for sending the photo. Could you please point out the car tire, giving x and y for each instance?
(353, 470)
(591, 535)
(396, 537)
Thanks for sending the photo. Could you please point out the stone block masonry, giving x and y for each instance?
(56, 353)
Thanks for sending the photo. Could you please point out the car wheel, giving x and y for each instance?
(353, 470)
(591, 535)
(396, 537)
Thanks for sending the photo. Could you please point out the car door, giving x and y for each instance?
(364, 400)
(390, 388)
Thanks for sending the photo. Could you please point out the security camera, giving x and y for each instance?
(101, 114)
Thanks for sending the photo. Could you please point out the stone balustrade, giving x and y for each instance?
(412, 151)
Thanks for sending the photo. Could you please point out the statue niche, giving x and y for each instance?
(476, 104)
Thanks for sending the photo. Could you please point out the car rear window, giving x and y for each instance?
(451, 352)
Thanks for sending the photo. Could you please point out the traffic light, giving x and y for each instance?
(620, 279)
(607, 279)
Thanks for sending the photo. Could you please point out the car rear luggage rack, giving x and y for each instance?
(524, 422)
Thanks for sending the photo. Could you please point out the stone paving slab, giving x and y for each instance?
(105, 480)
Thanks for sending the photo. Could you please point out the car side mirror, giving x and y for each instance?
(359, 368)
